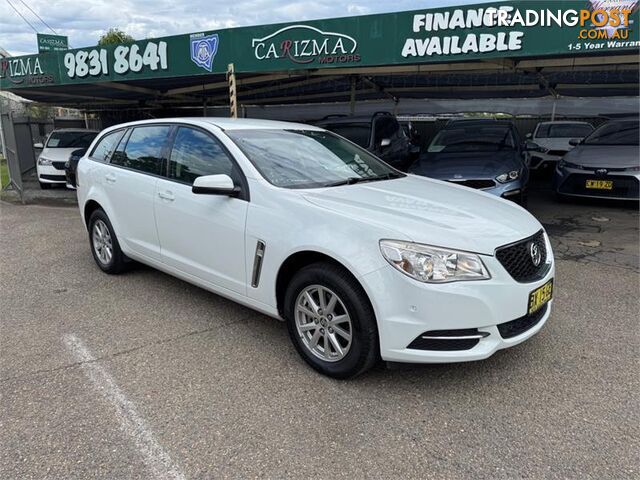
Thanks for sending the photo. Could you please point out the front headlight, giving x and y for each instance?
(508, 177)
(433, 264)
(564, 164)
(44, 161)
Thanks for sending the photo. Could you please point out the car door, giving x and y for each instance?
(201, 235)
(136, 166)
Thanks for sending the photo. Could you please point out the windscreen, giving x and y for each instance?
(71, 139)
(473, 138)
(615, 133)
(308, 158)
(563, 130)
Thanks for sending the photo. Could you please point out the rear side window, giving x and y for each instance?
(106, 146)
(143, 151)
(195, 154)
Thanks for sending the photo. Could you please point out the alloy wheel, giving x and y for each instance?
(323, 323)
(102, 243)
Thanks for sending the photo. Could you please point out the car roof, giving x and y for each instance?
(346, 119)
(564, 122)
(74, 130)
(477, 121)
(225, 123)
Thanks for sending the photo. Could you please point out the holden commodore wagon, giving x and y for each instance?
(361, 261)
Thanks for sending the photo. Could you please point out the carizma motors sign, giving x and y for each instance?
(304, 44)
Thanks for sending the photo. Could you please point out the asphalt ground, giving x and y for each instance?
(145, 376)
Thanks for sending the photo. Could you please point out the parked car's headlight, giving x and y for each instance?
(632, 169)
(44, 161)
(433, 264)
(508, 177)
(564, 164)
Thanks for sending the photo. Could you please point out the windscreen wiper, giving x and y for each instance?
(354, 180)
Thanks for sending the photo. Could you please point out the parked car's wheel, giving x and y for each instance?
(104, 243)
(331, 321)
(45, 186)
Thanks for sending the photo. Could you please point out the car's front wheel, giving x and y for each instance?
(104, 243)
(331, 321)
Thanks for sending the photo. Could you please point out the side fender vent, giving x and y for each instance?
(257, 263)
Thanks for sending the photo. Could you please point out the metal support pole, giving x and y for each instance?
(204, 107)
(352, 99)
(233, 97)
(553, 109)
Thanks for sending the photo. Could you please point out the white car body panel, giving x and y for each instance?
(210, 241)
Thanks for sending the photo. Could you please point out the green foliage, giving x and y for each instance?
(114, 36)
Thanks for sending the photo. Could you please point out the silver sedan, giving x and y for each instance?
(606, 164)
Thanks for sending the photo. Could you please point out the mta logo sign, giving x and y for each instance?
(204, 49)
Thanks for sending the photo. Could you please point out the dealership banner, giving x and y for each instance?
(516, 29)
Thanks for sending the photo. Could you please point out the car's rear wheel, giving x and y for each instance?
(331, 321)
(104, 243)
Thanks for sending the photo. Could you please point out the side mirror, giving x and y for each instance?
(385, 142)
(575, 141)
(215, 185)
(38, 145)
(529, 135)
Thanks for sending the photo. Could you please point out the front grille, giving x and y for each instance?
(57, 178)
(516, 258)
(623, 186)
(520, 325)
(58, 165)
(446, 344)
(475, 183)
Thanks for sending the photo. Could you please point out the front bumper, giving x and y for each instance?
(572, 182)
(50, 174)
(406, 309)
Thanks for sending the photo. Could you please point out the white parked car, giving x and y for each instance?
(553, 139)
(362, 261)
(56, 151)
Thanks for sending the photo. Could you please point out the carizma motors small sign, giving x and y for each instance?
(306, 44)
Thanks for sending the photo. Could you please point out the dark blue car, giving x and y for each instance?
(483, 154)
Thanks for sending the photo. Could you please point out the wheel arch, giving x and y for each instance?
(298, 260)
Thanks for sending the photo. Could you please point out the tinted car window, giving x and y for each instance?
(385, 128)
(70, 139)
(563, 130)
(143, 150)
(615, 133)
(358, 133)
(196, 153)
(472, 138)
(106, 146)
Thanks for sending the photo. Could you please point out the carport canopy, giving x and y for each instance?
(455, 53)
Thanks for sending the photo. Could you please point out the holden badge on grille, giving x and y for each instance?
(536, 254)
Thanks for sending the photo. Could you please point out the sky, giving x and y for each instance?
(84, 21)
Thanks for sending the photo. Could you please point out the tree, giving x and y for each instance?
(114, 36)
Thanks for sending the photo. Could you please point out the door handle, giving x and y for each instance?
(167, 196)
(110, 177)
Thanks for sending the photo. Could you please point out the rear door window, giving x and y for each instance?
(144, 149)
(106, 146)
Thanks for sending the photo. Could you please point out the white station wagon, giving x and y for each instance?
(361, 261)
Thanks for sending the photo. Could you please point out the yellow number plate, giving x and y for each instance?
(600, 184)
(540, 296)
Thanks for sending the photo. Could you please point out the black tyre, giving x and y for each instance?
(45, 186)
(104, 244)
(330, 321)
